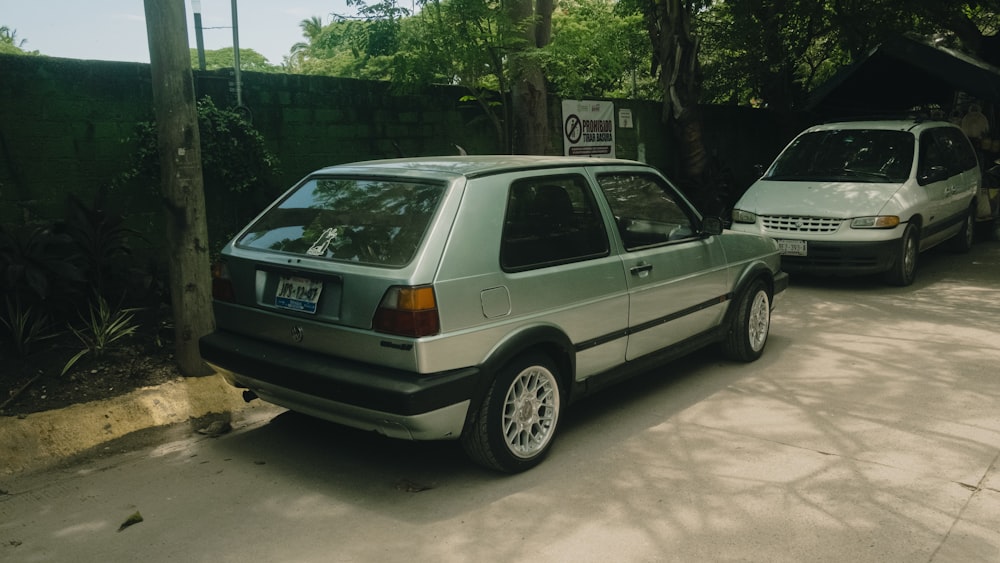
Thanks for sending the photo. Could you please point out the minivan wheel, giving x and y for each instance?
(750, 326)
(904, 267)
(962, 241)
(514, 426)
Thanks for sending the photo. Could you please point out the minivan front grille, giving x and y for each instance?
(793, 224)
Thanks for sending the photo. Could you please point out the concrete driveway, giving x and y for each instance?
(869, 431)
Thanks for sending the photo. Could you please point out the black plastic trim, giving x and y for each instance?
(605, 338)
(682, 313)
(363, 385)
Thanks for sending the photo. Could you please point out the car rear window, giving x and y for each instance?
(847, 155)
(371, 221)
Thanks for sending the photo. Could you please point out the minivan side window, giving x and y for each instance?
(944, 152)
(959, 143)
(647, 211)
(551, 220)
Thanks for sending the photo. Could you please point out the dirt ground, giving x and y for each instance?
(33, 383)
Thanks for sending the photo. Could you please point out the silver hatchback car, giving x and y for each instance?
(475, 298)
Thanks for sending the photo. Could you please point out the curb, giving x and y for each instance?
(42, 439)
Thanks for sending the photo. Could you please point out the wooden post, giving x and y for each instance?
(181, 184)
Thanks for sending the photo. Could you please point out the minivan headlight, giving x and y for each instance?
(740, 216)
(877, 222)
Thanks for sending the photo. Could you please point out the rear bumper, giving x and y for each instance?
(396, 403)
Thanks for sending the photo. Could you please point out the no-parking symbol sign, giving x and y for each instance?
(588, 128)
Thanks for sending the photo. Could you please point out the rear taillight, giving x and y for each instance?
(408, 311)
(222, 286)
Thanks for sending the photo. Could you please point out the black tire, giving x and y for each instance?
(962, 241)
(904, 267)
(750, 324)
(515, 425)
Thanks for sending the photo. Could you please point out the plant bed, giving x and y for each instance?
(35, 382)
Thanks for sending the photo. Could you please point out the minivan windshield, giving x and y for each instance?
(851, 155)
(366, 220)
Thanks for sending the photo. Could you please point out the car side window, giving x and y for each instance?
(647, 210)
(551, 220)
(941, 156)
(932, 163)
(965, 157)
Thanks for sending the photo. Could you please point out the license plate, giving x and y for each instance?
(792, 247)
(298, 294)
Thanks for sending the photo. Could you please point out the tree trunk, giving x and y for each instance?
(529, 94)
(675, 56)
(181, 180)
(529, 108)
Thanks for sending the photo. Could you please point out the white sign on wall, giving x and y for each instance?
(624, 119)
(588, 128)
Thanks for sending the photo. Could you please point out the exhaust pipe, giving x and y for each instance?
(249, 395)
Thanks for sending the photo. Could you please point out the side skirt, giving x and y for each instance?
(645, 363)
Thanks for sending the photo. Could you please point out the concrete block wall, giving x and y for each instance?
(66, 127)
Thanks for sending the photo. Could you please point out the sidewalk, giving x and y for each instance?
(42, 439)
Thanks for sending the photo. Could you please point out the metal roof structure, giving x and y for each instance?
(901, 74)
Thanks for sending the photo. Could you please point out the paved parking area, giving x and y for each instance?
(869, 431)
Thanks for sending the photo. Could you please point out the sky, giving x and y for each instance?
(115, 30)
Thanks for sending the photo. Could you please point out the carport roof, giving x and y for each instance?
(901, 74)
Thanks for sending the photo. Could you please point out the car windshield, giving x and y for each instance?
(855, 155)
(371, 221)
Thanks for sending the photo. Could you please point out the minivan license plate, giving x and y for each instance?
(298, 294)
(792, 247)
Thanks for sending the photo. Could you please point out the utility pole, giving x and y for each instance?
(236, 55)
(199, 39)
(181, 184)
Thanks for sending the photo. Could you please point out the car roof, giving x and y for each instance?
(914, 125)
(468, 166)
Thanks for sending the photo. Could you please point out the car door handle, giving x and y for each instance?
(641, 270)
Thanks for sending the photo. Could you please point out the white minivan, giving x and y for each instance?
(866, 197)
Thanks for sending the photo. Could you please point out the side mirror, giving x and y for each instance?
(711, 226)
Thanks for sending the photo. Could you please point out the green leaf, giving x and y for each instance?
(132, 520)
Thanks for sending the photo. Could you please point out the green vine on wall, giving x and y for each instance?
(237, 168)
(233, 154)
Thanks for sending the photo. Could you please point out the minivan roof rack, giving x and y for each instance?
(917, 117)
